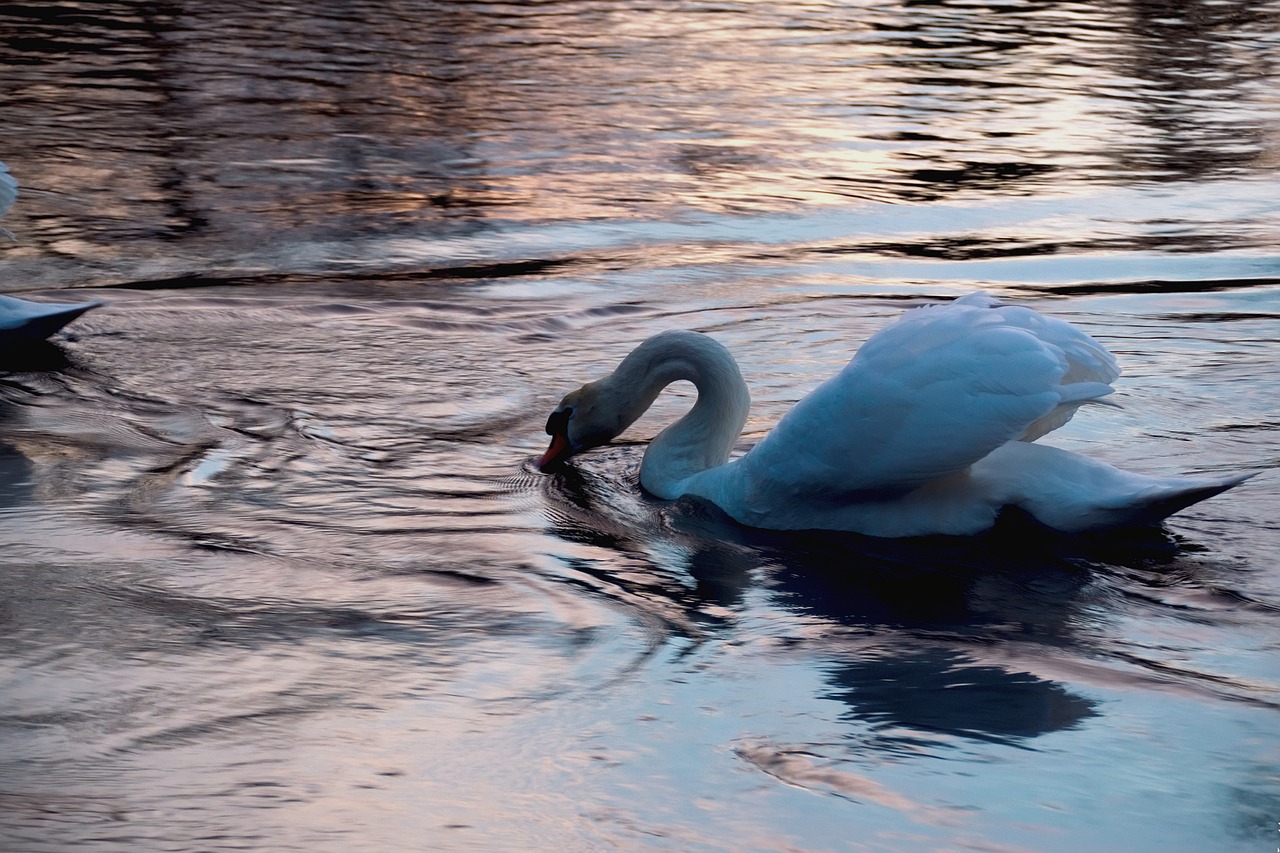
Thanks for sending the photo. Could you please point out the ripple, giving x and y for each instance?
(279, 574)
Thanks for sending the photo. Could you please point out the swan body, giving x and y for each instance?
(929, 429)
(21, 320)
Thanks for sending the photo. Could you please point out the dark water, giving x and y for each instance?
(276, 574)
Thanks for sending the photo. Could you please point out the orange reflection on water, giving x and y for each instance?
(220, 130)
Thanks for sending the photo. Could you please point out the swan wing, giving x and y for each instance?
(928, 396)
(1088, 363)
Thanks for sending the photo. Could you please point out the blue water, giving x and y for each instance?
(276, 572)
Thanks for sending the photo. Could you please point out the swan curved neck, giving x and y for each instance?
(703, 438)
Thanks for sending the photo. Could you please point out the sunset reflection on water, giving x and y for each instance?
(214, 132)
(278, 573)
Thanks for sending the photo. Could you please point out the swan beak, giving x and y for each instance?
(556, 453)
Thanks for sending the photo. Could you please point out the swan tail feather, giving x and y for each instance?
(1073, 493)
(1161, 503)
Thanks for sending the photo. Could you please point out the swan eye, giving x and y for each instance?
(558, 423)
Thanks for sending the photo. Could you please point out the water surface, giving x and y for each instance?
(277, 574)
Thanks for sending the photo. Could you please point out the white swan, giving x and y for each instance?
(928, 430)
(21, 320)
(8, 193)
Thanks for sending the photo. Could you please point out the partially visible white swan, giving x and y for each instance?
(930, 429)
(21, 320)
(25, 322)
(8, 193)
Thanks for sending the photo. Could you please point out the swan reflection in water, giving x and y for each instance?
(903, 629)
(16, 488)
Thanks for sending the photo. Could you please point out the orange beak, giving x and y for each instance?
(556, 453)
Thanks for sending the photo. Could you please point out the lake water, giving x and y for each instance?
(277, 574)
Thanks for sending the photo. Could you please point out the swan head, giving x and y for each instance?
(585, 418)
